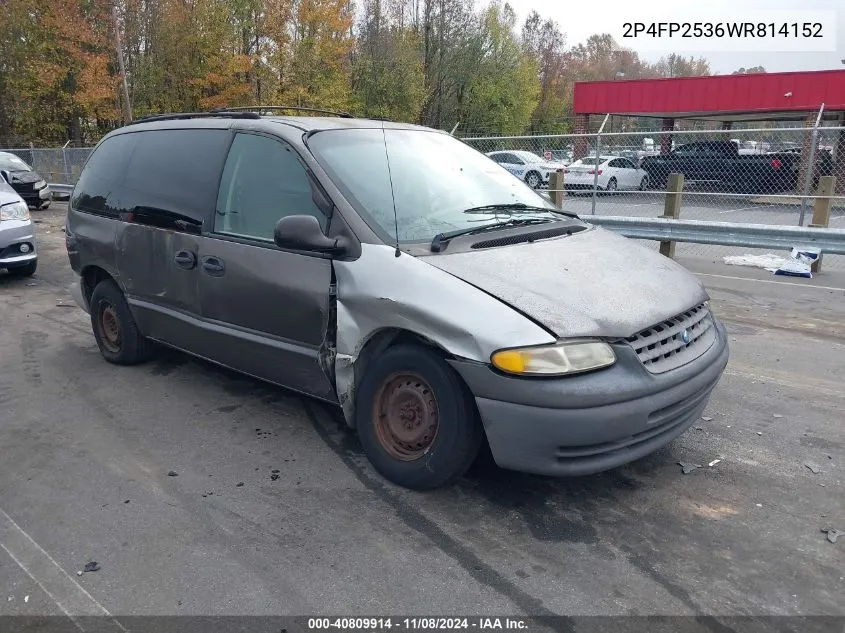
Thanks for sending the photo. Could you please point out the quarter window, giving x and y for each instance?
(263, 181)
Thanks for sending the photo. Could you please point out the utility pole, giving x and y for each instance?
(127, 107)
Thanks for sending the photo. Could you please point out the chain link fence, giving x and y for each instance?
(762, 175)
(60, 165)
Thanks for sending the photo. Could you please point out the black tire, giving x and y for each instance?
(611, 186)
(644, 183)
(457, 437)
(24, 271)
(535, 178)
(130, 347)
(44, 205)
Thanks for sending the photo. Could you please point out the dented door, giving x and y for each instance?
(266, 312)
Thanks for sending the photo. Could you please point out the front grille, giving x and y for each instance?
(662, 347)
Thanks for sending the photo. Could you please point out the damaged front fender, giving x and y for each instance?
(379, 291)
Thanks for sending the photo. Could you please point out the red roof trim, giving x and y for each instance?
(765, 92)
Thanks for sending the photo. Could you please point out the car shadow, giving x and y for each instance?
(526, 495)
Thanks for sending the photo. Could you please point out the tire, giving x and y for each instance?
(533, 179)
(442, 432)
(126, 345)
(44, 205)
(24, 271)
(644, 183)
(611, 186)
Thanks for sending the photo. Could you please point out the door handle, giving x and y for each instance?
(214, 266)
(185, 259)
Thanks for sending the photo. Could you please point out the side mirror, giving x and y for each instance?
(6, 175)
(303, 233)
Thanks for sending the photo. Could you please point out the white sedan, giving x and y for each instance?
(614, 172)
(533, 169)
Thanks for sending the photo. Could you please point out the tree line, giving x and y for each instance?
(434, 62)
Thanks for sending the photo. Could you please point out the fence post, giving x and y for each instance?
(66, 179)
(821, 210)
(810, 168)
(556, 187)
(672, 208)
(596, 167)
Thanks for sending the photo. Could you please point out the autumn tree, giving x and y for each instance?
(387, 69)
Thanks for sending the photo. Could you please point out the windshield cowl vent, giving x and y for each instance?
(527, 237)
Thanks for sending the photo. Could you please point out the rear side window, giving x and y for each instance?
(263, 181)
(175, 172)
(103, 171)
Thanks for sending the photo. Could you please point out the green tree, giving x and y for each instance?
(504, 89)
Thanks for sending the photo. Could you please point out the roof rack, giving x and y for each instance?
(344, 115)
(225, 114)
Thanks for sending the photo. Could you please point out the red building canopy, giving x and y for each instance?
(721, 97)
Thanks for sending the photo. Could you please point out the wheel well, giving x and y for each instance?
(382, 340)
(389, 337)
(91, 276)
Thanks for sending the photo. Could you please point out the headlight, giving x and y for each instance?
(39, 184)
(14, 211)
(570, 357)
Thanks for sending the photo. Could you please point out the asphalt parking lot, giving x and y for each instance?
(86, 448)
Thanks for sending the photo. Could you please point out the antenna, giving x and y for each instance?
(392, 195)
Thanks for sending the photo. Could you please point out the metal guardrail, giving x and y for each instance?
(830, 241)
(60, 189)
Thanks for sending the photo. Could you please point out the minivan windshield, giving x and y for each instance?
(435, 179)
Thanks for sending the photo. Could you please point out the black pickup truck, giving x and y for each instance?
(719, 162)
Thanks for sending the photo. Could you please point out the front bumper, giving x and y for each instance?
(14, 233)
(593, 422)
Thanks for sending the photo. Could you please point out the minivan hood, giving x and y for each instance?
(592, 283)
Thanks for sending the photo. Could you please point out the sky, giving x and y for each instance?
(579, 19)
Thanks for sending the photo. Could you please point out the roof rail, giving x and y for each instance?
(344, 115)
(196, 115)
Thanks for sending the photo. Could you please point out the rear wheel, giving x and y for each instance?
(416, 420)
(611, 185)
(533, 180)
(644, 183)
(24, 271)
(114, 327)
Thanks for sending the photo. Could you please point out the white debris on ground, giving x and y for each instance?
(769, 261)
(798, 264)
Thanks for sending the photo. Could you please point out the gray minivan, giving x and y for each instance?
(399, 274)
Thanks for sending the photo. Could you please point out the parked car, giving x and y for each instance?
(534, 169)
(720, 162)
(18, 253)
(25, 180)
(562, 156)
(397, 273)
(608, 173)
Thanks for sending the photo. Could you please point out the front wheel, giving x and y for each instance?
(416, 421)
(533, 180)
(644, 183)
(115, 330)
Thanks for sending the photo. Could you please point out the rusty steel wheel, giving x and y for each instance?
(110, 327)
(416, 419)
(117, 334)
(405, 415)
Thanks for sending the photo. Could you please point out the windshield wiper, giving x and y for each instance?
(440, 239)
(512, 208)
